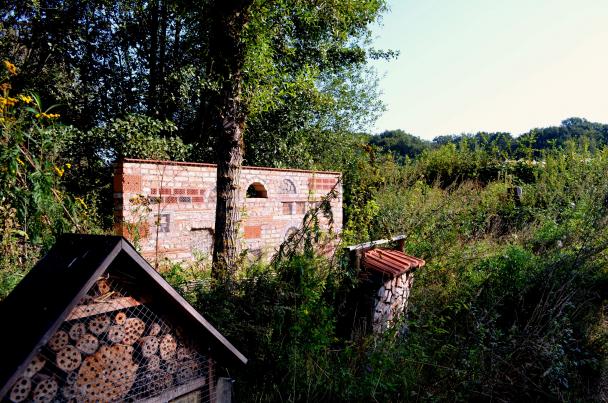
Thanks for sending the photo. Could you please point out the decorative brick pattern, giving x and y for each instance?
(186, 192)
(133, 231)
(321, 184)
(127, 184)
(253, 231)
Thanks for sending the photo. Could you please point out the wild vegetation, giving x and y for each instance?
(511, 304)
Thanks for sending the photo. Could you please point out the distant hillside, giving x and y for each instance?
(402, 144)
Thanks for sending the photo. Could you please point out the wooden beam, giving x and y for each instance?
(115, 304)
(211, 383)
(223, 392)
(401, 244)
(356, 258)
(371, 244)
(177, 391)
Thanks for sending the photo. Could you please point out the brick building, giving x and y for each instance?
(168, 208)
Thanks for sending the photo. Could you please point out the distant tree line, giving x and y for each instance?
(501, 144)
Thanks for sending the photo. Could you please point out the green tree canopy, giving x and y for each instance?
(400, 143)
(305, 76)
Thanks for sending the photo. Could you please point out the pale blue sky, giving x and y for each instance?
(490, 65)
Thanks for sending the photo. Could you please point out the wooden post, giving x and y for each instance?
(355, 258)
(224, 390)
(211, 381)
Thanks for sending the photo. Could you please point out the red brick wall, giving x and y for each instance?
(170, 206)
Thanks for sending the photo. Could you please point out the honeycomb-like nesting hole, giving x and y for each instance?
(111, 348)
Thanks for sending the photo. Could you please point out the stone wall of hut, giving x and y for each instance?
(391, 301)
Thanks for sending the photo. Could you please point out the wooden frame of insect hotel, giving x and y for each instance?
(93, 321)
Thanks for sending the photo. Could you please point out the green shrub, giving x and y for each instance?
(35, 206)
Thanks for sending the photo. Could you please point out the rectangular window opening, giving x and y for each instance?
(164, 222)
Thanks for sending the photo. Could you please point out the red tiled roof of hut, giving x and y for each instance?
(390, 262)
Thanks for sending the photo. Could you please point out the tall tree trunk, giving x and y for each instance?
(227, 51)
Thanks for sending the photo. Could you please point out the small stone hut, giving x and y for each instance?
(168, 207)
(387, 279)
(93, 321)
(393, 271)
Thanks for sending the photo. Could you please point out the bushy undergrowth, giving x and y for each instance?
(512, 287)
(510, 305)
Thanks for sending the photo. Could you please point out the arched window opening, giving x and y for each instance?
(256, 191)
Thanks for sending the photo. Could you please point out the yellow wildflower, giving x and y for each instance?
(59, 171)
(8, 101)
(19, 161)
(68, 165)
(47, 115)
(81, 201)
(10, 67)
(27, 99)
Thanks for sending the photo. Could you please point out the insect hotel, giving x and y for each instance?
(387, 276)
(93, 321)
